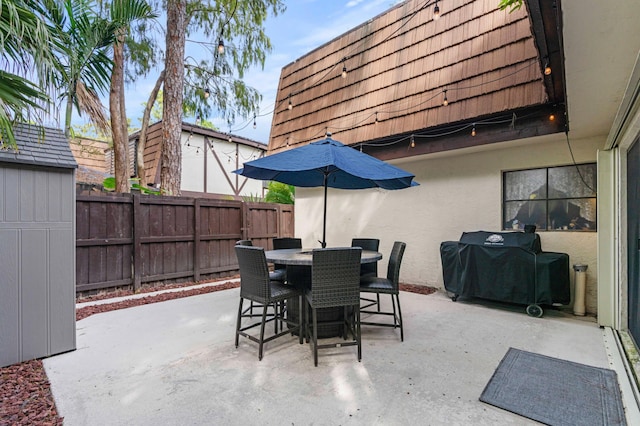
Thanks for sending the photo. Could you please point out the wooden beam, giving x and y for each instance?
(546, 23)
(527, 123)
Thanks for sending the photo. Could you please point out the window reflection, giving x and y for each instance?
(557, 198)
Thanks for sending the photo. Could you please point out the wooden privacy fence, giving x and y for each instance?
(131, 239)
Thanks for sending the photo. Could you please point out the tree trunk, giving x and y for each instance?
(67, 115)
(118, 119)
(142, 142)
(171, 168)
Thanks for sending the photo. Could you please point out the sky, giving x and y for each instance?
(304, 26)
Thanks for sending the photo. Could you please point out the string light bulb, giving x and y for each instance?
(547, 68)
(436, 12)
(413, 142)
(254, 121)
(230, 138)
(207, 93)
(445, 101)
(473, 130)
(376, 117)
(221, 43)
(552, 117)
(290, 106)
(344, 71)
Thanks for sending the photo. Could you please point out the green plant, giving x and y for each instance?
(252, 198)
(109, 184)
(512, 4)
(280, 193)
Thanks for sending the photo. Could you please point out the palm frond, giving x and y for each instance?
(89, 103)
(18, 97)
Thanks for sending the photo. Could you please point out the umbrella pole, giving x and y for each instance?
(324, 221)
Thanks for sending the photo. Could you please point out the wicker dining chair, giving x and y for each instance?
(335, 278)
(256, 286)
(280, 244)
(273, 275)
(389, 285)
(368, 269)
(286, 243)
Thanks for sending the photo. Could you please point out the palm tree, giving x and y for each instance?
(83, 67)
(123, 14)
(24, 42)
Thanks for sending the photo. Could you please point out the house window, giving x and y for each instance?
(553, 198)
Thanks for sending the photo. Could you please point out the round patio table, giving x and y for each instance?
(298, 262)
(302, 256)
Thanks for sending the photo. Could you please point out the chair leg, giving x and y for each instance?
(264, 321)
(400, 319)
(239, 322)
(307, 334)
(300, 319)
(357, 330)
(395, 317)
(378, 299)
(345, 324)
(249, 310)
(315, 336)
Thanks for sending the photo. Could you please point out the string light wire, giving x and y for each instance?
(367, 115)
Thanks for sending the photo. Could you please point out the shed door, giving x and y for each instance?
(633, 221)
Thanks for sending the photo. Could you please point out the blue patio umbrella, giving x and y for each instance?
(327, 163)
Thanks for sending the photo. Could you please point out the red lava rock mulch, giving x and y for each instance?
(420, 289)
(25, 394)
(86, 311)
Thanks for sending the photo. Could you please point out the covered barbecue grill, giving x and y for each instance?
(506, 267)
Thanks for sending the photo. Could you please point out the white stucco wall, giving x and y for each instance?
(220, 180)
(459, 191)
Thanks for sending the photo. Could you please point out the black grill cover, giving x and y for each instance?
(505, 266)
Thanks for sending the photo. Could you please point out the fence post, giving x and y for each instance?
(244, 226)
(137, 246)
(196, 240)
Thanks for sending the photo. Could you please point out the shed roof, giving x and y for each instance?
(37, 146)
(401, 65)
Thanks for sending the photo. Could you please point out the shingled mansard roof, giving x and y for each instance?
(400, 66)
(38, 149)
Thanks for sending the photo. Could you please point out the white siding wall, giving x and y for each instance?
(459, 191)
(193, 163)
(219, 180)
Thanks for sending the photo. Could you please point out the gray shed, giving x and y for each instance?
(37, 246)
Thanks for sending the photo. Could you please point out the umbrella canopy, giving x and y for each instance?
(327, 163)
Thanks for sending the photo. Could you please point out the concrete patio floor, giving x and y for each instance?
(175, 362)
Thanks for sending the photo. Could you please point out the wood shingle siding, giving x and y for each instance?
(399, 64)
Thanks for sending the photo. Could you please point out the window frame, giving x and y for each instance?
(550, 202)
